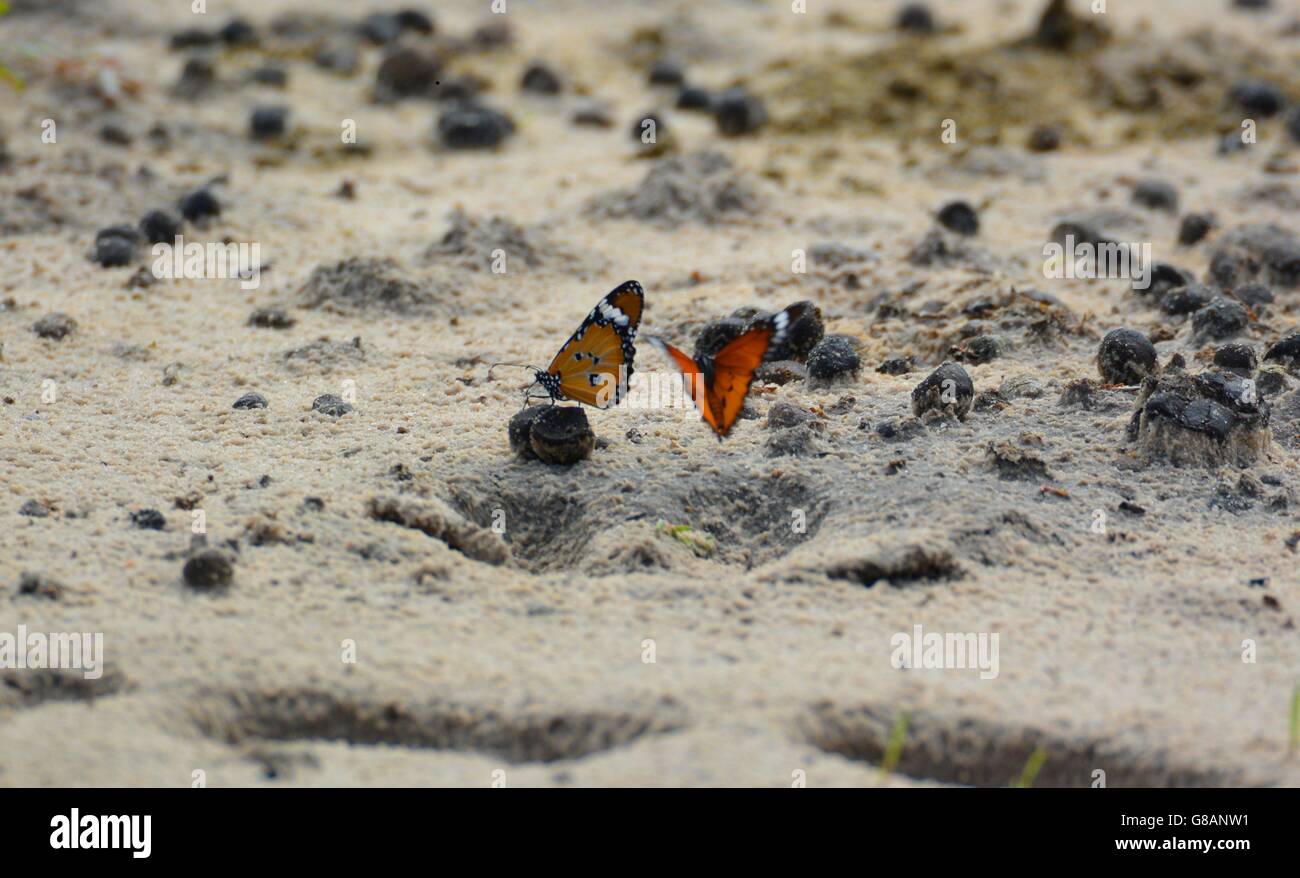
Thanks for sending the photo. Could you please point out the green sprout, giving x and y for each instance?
(6, 74)
(1030, 772)
(699, 542)
(894, 750)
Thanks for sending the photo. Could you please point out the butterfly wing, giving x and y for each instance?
(595, 364)
(693, 374)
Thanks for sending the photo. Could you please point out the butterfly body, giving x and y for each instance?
(720, 382)
(593, 367)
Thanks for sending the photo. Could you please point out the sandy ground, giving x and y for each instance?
(521, 657)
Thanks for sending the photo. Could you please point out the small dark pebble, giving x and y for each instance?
(159, 226)
(959, 217)
(380, 28)
(947, 389)
(271, 318)
(250, 400)
(737, 112)
(540, 79)
(208, 570)
(416, 21)
(1270, 382)
(692, 97)
(1194, 228)
(273, 77)
(1238, 357)
(916, 18)
(238, 33)
(1156, 195)
(983, 348)
(1254, 295)
(1131, 508)
(115, 135)
(199, 205)
(1285, 351)
(473, 126)
(834, 358)
(331, 405)
(55, 326)
(148, 519)
(34, 509)
(1125, 356)
(1165, 277)
(38, 586)
(665, 72)
(268, 123)
(561, 435)
(1045, 138)
(897, 366)
(407, 73)
(1258, 98)
(197, 77)
(1185, 300)
(1221, 318)
(113, 251)
(593, 115)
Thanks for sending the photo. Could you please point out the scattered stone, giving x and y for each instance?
(561, 435)
(737, 113)
(407, 73)
(959, 217)
(56, 326)
(473, 126)
(1186, 300)
(159, 226)
(1257, 98)
(34, 509)
(834, 359)
(781, 372)
(272, 77)
(115, 135)
(268, 123)
(1221, 318)
(1239, 358)
(782, 415)
(1270, 382)
(1211, 419)
(983, 348)
(1261, 252)
(38, 586)
(1164, 277)
(1156, 195)
(197, 78)
(1059, 28)
(114, 248)
(1045, 138)
(916, 18)
(331, 405)
(148, 519)
(665, 72)
(1254, 295)
(199, 205)
(208, 570)
(238, 33)
(271, 318)
(1194, 228)
(380, 28)
(593, 115)
(251, 400)
(1285, 351)
(540, 79)
(948, 389)
(897, 366)
(692, 97)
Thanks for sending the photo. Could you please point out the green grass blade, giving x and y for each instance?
(1030, 772)
(894, 750)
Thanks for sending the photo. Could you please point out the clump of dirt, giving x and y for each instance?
(1211, 419)
(363, 284)
(703, 187)
(475, 244)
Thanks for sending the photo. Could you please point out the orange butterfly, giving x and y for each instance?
(719, 383)
(594, 365)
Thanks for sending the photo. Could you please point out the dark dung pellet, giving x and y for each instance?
(1221, 318)
(331, 405)
(666, 72)
(916, 18)
(159, 226)
(208, 570)
(199, 205)
(540, 79)
(1186, 300)
(692, 97)
(948, 389)
(268, 123)
(1258, 98)
(959, 217)
(897, 366)
(1045, 138)
(1237, 357)
(473, 126)
(148, 519)
(1156, 195)
(271, 318)
(250, 400)
(407, 73)
(56, 326)
(1193, 228)
(1125, 356)
(34, 509)
(834, 358)
(562, 435)
(1285, 351)
(737, 113)
(520, 431)
(113, 251)
(238, 33)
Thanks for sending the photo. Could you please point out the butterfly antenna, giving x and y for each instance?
(514, 365)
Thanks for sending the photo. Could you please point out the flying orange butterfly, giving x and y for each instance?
(594, 365)
(719, 383)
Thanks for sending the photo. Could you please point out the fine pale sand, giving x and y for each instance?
(581, 644)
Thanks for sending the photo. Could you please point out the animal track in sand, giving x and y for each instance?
(531, 735)
(960, 749)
